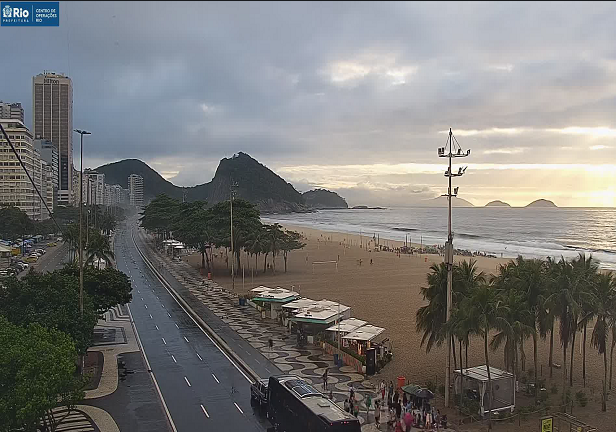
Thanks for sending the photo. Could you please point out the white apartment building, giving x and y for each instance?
(135, 190)
(93, 188)
(15, 187)
(12, 111)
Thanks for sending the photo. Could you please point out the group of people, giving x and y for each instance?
(405, 413)
(351, 405)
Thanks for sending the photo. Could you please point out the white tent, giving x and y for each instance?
(476, 383)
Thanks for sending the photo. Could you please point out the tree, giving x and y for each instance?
(485, 308)
(193, 226)
(98, 247)
(160, 214)
(587, 271)
(107, 288)
(605, 290)
(431, 318)
(51, 300)
(274, 238)
(292, 240)
(37, 372)
(14, 223)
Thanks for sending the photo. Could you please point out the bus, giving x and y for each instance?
(296, 406)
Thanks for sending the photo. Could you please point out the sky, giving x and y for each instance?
(353, 97)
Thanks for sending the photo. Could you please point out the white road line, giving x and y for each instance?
(176, 326)
(138, 292)
(174, 360)
(163, 305)
(185, 339)
(150, 316)
(187, 382)
(169, 314)
(216, 378)
(141, 298)
(238, 407)
(257, 361)
(205, 412)
(156, 327)
(157, 297)
(199, 357)
(146, 306)
(164, 341)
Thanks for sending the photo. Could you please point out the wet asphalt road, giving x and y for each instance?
(202, 388)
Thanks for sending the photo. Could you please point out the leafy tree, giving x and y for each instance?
(37, 372)
(246, 221)
(292, 240)
(51, 300)
(430, 319)
(107, 287)
(193, 227)
(274, 236)
(98, 247)
(14, 223)
(606, 313)
(160, 214)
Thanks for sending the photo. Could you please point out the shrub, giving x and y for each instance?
(581, 398)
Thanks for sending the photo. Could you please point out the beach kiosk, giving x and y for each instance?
(272, 300)
(317, 317)
(360, 338)
(345, 327)
(476, 388)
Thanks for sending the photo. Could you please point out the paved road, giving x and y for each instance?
(202, 388)
(58, 256)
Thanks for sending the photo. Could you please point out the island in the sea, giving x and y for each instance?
(363, 207)
(497, 203)
(542, 203)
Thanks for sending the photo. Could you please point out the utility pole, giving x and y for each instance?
(82, 133)
(450, 154)
(232, 191)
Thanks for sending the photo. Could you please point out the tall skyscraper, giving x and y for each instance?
(11, 111)
(52, 119)
(135, 190)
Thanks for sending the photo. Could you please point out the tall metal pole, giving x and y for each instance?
(449, 245)
(232, 255)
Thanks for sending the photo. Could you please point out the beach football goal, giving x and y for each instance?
(317, 263)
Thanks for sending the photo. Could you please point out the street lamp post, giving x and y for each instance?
(450, 154)
(81, 133)
(233, 186)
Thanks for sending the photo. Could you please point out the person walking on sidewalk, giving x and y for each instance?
(377, 413)
(325, 379)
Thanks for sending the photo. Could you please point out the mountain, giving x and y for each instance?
(497, 203)
(442, 202)
(254, 182)
(542, 203)
(153, 183)
(324, 199)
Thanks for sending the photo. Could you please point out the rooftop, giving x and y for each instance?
(347, 325)
(480, 373)
(278, 295)
(365, 333)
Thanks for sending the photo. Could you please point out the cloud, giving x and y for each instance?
(365, 86)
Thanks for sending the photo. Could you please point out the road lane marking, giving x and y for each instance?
(216, 378)
(205, 412)
(169, 314)
(186, 339)
(163, 305)
(257, 361)
(174, 360)
(158, 297)
(199, 357)
(150, 316)
(238, 407)
(187, 382)
(156, 327)
(141, 298)
(176, 326)
(146, 306)
(164, 341)
(138, 292)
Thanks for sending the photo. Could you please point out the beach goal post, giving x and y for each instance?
(324, 262)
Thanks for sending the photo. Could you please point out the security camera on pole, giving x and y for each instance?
(450, 151)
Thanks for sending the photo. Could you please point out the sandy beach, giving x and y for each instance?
(387, 294)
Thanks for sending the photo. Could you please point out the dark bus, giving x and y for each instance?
(296, 406)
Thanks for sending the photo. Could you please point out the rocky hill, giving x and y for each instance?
(442, 202)
(542, 203)
(254, 182)
(324, 199)
(497, 203)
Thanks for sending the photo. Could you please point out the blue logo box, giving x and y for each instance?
(30, 14)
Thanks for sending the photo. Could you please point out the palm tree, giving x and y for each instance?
(613, 325)
(587, 270)
(606, 307)
(486, 310)
(274, 238)
(431, 318)
(99, 247)
(550, 305)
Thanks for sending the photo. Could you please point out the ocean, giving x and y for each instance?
(531, 232)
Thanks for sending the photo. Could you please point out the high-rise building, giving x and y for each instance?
(52, 119)
(15, 187)
(49, 154)
(135, 190)
(11, 111)
(113, 195)
(93, 187)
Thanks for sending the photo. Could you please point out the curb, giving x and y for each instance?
(223, 346)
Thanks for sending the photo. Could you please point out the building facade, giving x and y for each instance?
(12, 111)
(113, 195)
(52, 120)
(15, 187)
(49, 154)
(135, 190)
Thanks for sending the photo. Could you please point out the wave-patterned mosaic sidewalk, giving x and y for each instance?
(308, 363)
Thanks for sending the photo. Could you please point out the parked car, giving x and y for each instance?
(31, 259)
(12, 271)
(52, 244)
(258, 393)
(41, 251)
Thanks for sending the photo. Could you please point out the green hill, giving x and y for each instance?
(254, 182)
(324, 199)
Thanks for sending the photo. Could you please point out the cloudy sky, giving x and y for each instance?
(355, 97)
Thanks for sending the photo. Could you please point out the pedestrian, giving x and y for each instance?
(382, 390)
(437, 418)
(346, 405)
(428, 421)
(331, 394)
(351, 392)
(325, 379)
(368, 405)
(377, 413)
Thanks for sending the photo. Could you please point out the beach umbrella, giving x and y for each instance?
(411, 389)
(425, 394)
